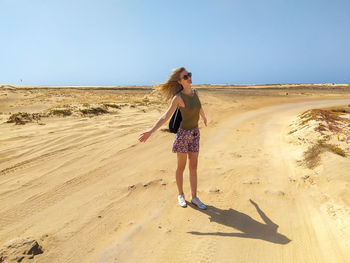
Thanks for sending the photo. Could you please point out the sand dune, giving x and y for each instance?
(87, 191)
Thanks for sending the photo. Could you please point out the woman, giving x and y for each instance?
(186, 144)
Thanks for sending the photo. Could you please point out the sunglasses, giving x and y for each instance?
(189, 75)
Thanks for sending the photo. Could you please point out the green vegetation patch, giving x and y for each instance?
(60, 111)
(94, 110)
(334, 149)
(111, 105)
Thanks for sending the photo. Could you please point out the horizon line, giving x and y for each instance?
(202, 84)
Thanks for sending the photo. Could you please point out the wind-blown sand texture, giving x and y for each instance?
(77, 186)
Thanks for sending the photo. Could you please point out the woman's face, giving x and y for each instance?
(185, 78)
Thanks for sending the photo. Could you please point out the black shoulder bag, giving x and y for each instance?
(175, 121)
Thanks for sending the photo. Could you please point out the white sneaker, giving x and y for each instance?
(198, 203)
(181, 200)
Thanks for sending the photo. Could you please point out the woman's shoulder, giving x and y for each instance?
(177, 98)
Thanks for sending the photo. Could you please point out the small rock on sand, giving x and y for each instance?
(236, 155)
(252, 182)
(131, 187)
(292, 180)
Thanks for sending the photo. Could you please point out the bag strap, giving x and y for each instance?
(183, 100)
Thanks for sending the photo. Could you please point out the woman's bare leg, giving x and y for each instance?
(181, 164)
(193, 162)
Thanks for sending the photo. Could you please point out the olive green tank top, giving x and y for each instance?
(190, 113)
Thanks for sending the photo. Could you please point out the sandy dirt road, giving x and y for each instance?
(89, 192)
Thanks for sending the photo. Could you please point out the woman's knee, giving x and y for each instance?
(180, 168)
(192, 166)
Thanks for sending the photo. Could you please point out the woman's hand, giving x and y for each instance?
(144, 136)
(205, 121)
(166, 116)
(201, 112)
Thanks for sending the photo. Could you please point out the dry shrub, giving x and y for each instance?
(111, 105)
(94, 110)
(330, 117)
(23, 118)
(312, 156)
(341, 110)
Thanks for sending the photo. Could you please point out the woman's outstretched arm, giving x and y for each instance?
(166, 116)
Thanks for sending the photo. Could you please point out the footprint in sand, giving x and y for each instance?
(275, 192)
(214, 190)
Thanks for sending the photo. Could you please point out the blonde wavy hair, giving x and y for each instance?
(171, 86)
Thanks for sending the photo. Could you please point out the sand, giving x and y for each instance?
(86, 190)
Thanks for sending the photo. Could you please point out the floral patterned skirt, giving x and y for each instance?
(186, 140)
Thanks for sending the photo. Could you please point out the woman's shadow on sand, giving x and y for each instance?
(249, 227)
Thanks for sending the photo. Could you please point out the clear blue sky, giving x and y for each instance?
(138, 42)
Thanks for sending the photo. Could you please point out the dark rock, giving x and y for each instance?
(35, 249)
(18, 249)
